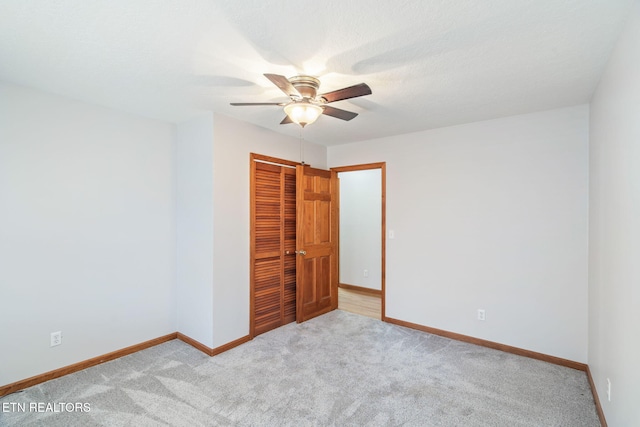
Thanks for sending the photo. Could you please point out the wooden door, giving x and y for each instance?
(316, 237)
(273, 241)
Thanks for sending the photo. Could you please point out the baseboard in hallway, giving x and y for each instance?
(360, 303)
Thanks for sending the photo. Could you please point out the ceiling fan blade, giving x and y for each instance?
(284, 84)
(338, 113)
(286, 120)
(241, 104)
(348, 92)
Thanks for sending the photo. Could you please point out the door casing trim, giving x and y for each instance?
(383, 172)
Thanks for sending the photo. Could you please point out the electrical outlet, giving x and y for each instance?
(481, 315)
(56, 338)
(608, 389)
(365, 273)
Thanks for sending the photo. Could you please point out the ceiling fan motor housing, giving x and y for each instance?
(307, 86)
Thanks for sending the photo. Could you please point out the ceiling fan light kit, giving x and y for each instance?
(302, 113)
(306, 105)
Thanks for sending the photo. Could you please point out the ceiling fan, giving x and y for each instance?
(306, 105)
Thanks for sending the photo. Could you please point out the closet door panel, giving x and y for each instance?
(273, 241)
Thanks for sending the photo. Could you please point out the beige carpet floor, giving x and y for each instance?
(340, 369)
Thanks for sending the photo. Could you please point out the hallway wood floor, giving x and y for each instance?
(359, 303)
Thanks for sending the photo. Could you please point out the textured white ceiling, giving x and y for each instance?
(429, 63)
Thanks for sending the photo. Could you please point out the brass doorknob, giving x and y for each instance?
(301, 252)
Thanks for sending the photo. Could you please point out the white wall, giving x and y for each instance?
(212, 158)
(360, 228)
(87, 231)
(614, 227)
(489, 215)
(194, 212)
(233, 141)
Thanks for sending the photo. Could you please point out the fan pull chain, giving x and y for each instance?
(301, 147)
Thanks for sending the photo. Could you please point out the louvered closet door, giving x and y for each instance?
(273, 241)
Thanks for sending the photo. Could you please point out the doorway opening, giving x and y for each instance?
(361, 242)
